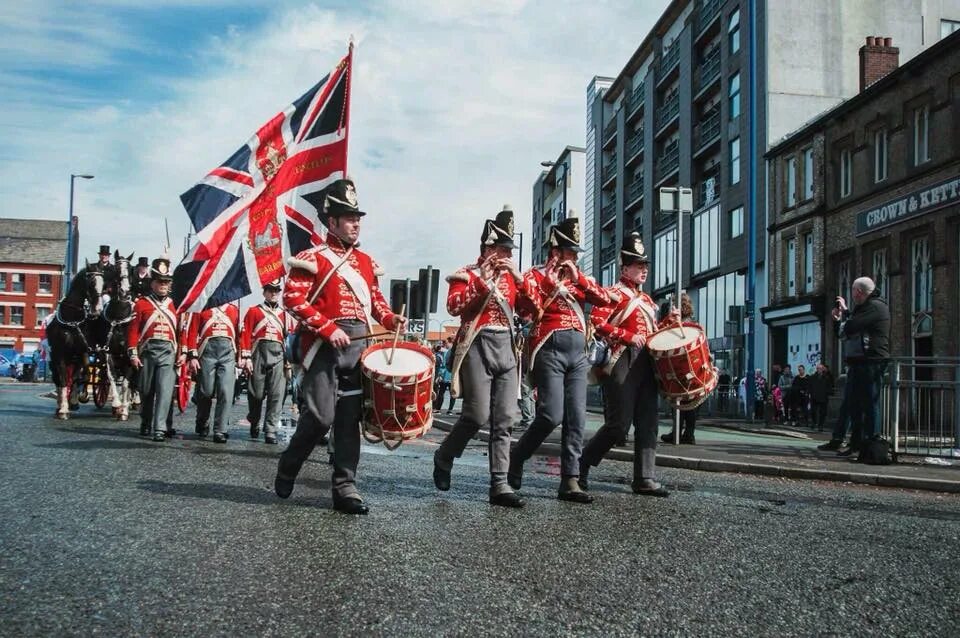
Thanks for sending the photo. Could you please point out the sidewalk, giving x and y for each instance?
(725, 445)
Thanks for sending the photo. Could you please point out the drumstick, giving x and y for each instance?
(371, 335)
(396, 336)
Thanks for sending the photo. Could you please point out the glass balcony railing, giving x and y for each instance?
(669, 161)
(635, 145)
(708, 11)
(608, 211)
(607, 253)
(669, 110)
(635, 190)
(709, 69)
(609, 130)
(708, 129)
(635, 101)
(670, 58)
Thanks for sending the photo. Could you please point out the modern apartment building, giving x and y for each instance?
(871, 188)
(558, 193)
(677, 115)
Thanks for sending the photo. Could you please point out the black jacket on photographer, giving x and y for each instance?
(866, 331)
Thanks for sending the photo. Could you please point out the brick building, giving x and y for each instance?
(871, 188)
(32, 254)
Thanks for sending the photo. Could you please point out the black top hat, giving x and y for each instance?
(161, 269)
(566, 234)
(340, 198)
(143, 261)
(499, 231)
(276, 285)
(632, 250)
(104, 249)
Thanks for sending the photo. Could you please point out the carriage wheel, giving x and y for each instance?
(184, 387)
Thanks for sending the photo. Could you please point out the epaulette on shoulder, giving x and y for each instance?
(304, 260)
(461, 275)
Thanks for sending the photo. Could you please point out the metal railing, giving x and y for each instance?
(669, 110)
(707, 129)
(609, 130)
(708, 11)
(607, 253)
(920, 405)
(608, 211)
(670, 58)
(635, 190)
(709, 69)
(635, 100)
(669, 161)
(635, 144)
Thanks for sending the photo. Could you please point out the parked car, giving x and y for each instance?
(8, 362)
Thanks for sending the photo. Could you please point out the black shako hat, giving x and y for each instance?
(104, 249)
(276, 285)
(143, 261)
(499, 231)
(632, 250)
(566, 234)
(160, 271)
(340, 198)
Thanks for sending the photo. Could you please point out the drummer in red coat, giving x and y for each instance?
(212, 349)
(484, 295)
(152, 348)
(629, 385)
(557, 346)
(333, 290)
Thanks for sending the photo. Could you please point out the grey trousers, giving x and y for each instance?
(157, 378)
(321, 407)
(527, 407)
(218, 375)
(266, 383)
(489, 380)
(629, 396)
(560, 376)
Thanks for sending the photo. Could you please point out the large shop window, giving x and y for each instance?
(714, 300)
(665, 259)
(706, 240)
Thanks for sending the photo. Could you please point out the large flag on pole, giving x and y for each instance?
(264, 203)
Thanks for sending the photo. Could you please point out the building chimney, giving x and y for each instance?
(878, 57)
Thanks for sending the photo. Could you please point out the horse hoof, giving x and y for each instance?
(123, 417)
(63, 416)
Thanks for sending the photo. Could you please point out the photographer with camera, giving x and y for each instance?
(865, 332)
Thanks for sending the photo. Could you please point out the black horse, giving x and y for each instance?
(110, 332)
(69, 333)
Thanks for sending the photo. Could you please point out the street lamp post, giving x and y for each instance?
(677, 200)
(66, 269)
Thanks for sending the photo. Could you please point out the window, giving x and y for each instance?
(921, 139)
(16, 282)
(948, 26)
(733, 95)
(880, 155)
(16, 315)
(846, 172)
(607, 275)
(808, 262)
(791, 265)
(843, 280)
(879, 271)
(733, 31)
(45, 284)
(791, 182)
(736, 222)
(714, 301)
(42, 313)
(3, 281)
(735, 161)
(808, 174)
(922, 276)
(665, 259)
(706, 240)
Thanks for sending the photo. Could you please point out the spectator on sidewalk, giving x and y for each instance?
(801, 396)
(742, 395)
(821, 387)
(865, 332)
(759, 394)
(440, 386)
(785, 383)
(723, 389)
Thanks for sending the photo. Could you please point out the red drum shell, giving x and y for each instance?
(683, 365)
(397, 397)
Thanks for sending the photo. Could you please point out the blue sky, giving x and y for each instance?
(454, 106)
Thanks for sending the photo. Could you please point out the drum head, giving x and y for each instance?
(671, 338)
(408, 360)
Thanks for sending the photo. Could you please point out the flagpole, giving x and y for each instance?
(346, 107)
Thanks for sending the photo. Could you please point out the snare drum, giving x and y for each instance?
(683, 365)
(397, 393)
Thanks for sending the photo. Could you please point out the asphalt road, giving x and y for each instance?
(102, 532)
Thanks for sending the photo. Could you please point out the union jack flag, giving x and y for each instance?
(264, 203)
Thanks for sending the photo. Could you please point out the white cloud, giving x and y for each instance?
(454, 106)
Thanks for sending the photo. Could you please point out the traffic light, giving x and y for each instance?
(398, 297)
(434, 289)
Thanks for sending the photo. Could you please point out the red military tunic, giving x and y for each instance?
(319, 308)
(631, 312)
(152, 319)
(221, 321)
(262, 323)
(553, 310)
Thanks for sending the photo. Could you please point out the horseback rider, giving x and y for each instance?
(140, 278)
